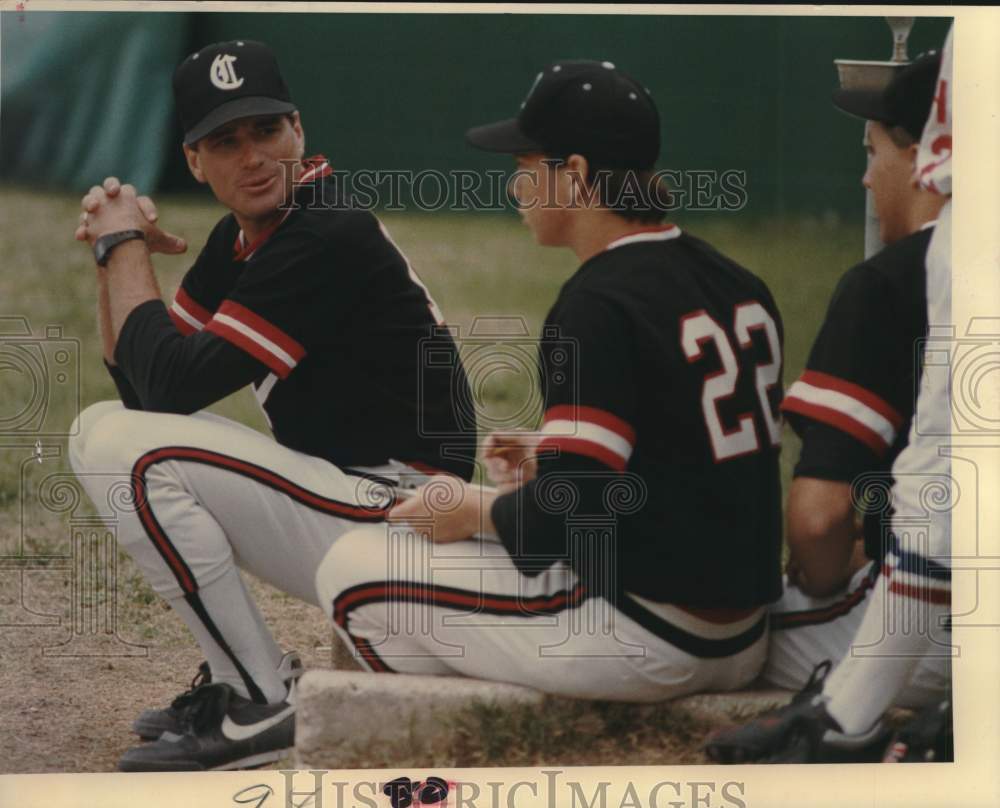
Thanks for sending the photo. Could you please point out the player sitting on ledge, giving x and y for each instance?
(854, 409)
(316, 308)
(635, 539)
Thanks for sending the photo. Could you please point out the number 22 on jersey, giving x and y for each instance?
(698, 328)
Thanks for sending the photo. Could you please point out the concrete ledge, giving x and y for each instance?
(349, 719)
(725, 708)
(346, 718)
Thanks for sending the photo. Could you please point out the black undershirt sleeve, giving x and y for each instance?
(169, 372)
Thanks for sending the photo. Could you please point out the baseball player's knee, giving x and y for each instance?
(117, 439)
(108, 443)
(82, 426)
(355, 557)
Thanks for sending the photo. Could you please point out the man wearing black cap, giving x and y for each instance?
(853, 407)
(639, 529)
(315, 307)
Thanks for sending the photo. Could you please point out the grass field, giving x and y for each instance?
(475, 266)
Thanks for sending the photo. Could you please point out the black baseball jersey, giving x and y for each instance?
(853, 404)
(661, 369)
(327, 321)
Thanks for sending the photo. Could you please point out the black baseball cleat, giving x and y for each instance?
(800, 732)
(754, 740)
(151, 724)
(223, 731)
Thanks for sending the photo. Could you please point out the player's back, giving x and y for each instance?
(703, 338)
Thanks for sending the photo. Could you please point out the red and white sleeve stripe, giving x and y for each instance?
(845, 406)
(259, 338)
(588, 431)
(188, 315)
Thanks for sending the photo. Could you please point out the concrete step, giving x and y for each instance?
(349, 719)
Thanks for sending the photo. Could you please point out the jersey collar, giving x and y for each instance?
(313, 168)
(928, 225)
(663, 232)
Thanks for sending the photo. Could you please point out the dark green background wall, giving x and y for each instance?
(398, 91)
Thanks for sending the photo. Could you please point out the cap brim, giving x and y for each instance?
(246, 107)
(505, 137)
(866, 104)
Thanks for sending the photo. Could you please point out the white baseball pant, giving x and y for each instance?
(806, 631)
(210, 495)
(408, 605)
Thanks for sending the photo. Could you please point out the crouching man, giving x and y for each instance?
(313, 306)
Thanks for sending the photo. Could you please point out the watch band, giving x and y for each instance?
(106, 243)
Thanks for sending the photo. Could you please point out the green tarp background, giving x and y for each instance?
(83, 96)
(86, 94)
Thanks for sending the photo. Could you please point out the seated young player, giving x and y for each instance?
(854, 408)
(635, 541)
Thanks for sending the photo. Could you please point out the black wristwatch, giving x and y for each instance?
(106, 243)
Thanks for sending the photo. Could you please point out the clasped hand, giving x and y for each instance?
(111, 207)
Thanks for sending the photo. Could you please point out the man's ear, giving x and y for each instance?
(576, 171)
(300, 135)
(912, 151)
(194, 163)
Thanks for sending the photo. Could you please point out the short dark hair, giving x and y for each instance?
(636, 194)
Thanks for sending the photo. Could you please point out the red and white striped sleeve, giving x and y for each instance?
(846, 406)
(261, 339)
(187, 314)
(589, 432)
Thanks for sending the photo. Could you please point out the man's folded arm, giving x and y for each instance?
(169, 372)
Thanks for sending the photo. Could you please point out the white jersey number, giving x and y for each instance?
(699, 327)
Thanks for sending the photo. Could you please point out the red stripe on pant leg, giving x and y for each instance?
(367, 653)
(366, 594)
(924, 593)
(154, 530)
(180, 569)
(825, 614)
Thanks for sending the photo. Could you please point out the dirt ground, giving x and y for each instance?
(73, 677)
(66, 709)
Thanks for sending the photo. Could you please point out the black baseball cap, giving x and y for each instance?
(226, 81)
(580, 107)
(905, 101)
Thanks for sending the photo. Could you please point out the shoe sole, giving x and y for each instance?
(249, 762)
(254, 761)
(728, 755)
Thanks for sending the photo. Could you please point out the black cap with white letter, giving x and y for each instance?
(226, 81)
